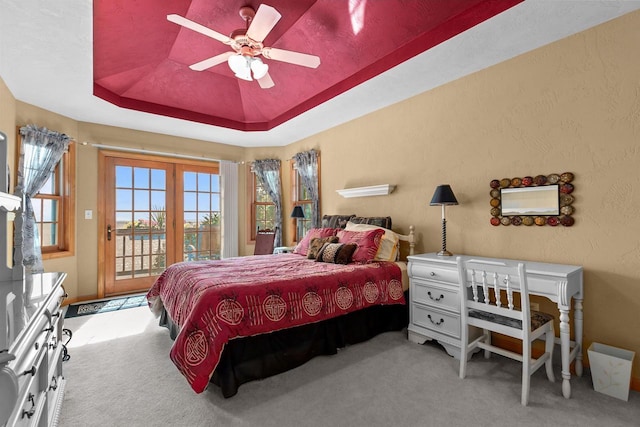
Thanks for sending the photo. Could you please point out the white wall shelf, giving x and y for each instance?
(373, 190)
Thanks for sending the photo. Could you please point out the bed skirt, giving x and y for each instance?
(261, 356)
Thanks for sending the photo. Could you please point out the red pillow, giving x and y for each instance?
(303, 247)
(368, 243)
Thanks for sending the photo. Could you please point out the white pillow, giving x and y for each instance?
(388, 250)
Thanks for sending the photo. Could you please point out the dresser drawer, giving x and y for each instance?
(434, 294)
(433, 272)
(32, 396)
(435, 320)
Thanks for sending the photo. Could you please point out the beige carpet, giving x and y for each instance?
(120, 374)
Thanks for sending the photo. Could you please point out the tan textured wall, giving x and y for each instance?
(570, 106)
(8, 117)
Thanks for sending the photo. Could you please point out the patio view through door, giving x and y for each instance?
(156, 213)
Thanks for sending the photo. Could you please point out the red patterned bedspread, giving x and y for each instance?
(216, 301)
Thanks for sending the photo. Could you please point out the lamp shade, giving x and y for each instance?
(443, 196)
(297, 212)
(259, 68)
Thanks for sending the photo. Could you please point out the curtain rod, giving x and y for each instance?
(157, 153)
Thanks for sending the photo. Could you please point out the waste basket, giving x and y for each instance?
(610, 369)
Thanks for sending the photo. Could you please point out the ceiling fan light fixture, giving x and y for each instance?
(238, 63)
(245, 75)
(259, 68)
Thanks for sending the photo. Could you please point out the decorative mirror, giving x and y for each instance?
(539, 200)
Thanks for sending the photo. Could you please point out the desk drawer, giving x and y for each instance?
(436, 320)
(434, 294)
(431, 272)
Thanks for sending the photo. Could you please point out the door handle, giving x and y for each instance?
(109, 232)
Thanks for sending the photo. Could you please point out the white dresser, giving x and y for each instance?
(31, 351)
(435, 303)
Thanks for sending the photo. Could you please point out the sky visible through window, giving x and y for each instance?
(141, 191)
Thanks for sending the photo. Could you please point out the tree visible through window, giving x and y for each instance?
(263, 209)
(302, 198)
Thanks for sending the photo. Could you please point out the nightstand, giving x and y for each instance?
(434, 302)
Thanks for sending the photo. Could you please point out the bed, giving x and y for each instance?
(246, 318)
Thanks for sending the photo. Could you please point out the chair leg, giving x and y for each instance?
(526, 371)
(549, 345)
(487, 339)
(464, 353)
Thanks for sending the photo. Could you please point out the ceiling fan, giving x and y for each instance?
(247, 46)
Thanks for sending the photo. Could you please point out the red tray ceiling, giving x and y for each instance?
(141, 60)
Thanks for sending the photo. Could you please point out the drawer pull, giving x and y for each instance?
(437, 298)
(54, 383)
(440, 322)
(50, 329)
(432, 274)
(31, 411)
(56, 315)
(31, 371)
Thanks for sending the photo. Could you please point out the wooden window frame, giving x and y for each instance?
(295, 183)
(65, 177)
(253, 203)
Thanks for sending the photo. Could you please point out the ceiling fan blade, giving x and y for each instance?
(211, 62)
(199, 28)
(266, 18)
(266, 82)
(291, 57)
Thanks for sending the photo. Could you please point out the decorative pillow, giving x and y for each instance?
(388, 250)
(337, 253)
(368, 243)
(303, 246)
(335, 221)
(380, 221)
(317, 243)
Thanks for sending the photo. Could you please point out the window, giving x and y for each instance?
(303, 167)
(54, 209)
(263, 210)
(300, 197)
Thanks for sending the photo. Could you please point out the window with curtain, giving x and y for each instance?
(305, 184)
(300, 196)
(267, 198)
(53, 208)
(45, 176)
(263, 210)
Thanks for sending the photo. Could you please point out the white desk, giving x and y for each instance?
(431, 274)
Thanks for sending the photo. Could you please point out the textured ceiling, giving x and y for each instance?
(47, 58)
(141, 60)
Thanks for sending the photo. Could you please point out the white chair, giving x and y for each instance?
(480, 282)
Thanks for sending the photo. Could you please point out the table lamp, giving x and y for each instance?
(442, 197)
(297, 213)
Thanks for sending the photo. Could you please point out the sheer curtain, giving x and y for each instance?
(268, 172)
(307, 166)
(40, 152)
(229, 176)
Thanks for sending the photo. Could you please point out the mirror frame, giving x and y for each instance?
(565, 197)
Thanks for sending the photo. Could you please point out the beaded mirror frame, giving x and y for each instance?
(565, 188)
